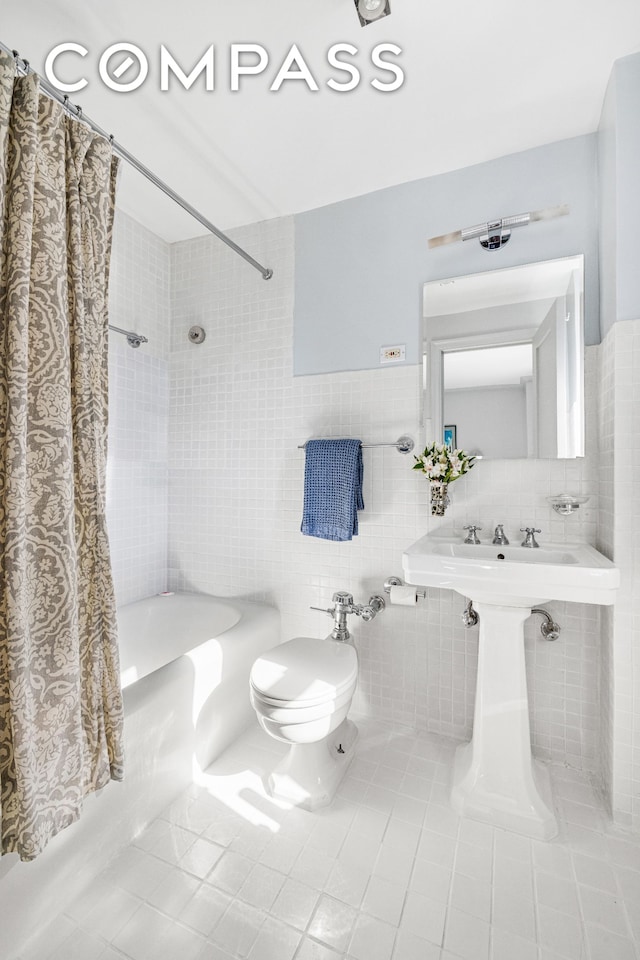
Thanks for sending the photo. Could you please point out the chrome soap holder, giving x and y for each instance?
(565, 504)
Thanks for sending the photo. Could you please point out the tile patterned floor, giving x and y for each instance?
(387, 872)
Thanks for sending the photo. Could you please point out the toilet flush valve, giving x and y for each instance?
(370, 610)
(343, 605)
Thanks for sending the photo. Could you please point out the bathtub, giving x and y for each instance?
(158, 630)
(206, 646)
(185, 661)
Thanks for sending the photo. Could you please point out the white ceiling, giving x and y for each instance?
(483, 79)
(487, 367)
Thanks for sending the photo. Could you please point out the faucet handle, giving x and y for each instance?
(530, 540)
(472, 536)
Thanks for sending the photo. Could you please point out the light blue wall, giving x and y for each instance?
(607, 183)
(619, 190)
(360, 264)
(627, 75)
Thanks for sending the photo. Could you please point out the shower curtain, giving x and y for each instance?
(60, 700)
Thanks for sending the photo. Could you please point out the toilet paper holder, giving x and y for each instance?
(397, 582)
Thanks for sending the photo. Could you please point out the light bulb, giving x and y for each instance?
(371, 9)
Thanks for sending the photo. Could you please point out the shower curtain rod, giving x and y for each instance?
(25, 68)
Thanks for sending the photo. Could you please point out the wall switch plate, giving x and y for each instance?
(392, 354)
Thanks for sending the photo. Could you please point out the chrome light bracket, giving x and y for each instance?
(496, 236)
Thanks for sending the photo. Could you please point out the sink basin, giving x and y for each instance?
(495, 778)
(512, 575)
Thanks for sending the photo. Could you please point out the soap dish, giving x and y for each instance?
(565, 504)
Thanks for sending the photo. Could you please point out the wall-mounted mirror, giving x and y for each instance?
(503, 361)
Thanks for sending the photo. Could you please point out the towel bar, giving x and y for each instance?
(403, 444)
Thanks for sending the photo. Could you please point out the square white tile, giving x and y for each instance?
(394, 890)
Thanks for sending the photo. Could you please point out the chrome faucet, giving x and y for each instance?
(472, 536)
(530, 540)
(499, 536)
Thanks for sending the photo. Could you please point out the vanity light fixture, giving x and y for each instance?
(370, 10)
(495, 233)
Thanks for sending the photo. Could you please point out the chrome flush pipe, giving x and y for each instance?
(343, 605)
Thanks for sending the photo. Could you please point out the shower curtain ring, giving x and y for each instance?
(21, 64)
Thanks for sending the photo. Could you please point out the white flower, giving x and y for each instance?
(439, 462)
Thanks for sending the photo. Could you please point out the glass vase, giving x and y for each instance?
(439, 497)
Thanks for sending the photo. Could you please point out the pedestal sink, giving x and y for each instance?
(495, 778)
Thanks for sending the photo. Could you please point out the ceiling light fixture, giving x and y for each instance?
(370, 10)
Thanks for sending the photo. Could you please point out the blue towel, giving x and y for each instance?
(332, 489)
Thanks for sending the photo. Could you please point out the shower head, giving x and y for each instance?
(133, 339)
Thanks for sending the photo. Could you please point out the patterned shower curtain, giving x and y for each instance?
(60, 700)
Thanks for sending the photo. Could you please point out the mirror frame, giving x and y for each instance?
(432, 354)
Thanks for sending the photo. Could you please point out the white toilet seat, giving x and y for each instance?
(304, 672)
(287, 712)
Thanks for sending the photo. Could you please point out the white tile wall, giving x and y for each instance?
(618, 537)
(237, 417)
(606, 428)
(137, 468)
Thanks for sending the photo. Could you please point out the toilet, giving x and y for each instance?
(301, 691)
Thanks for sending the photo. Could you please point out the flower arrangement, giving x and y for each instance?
(439, 462)
(442, 465)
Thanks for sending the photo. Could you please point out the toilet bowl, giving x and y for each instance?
(301, 691)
